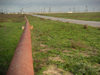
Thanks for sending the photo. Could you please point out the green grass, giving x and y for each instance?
(10, 32)
(79, 48)
(91, 16)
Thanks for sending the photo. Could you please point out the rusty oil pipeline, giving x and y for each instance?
(22, 62)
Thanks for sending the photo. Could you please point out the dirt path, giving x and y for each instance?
(90, 23)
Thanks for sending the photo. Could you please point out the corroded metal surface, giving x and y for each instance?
(22, 62)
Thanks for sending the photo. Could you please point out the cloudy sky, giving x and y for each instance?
(47, 5)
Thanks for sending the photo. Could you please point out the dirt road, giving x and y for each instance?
(90, 23)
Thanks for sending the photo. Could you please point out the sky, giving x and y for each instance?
(49, 5)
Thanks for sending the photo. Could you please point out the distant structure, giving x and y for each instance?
(49, 10)
(44, 10)
(70, 9)
(69, 12)
(93, 9)
(41, 10)
(21, 11)
(2, 11)
(86, 8)
(74, 9)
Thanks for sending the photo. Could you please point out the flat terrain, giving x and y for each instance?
(91, 16)
(82, 22)
(10, 32)
(64, 48)
(58, 48)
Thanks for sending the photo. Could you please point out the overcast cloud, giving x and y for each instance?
(55, 5)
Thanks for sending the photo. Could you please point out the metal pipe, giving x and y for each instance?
(22, 62)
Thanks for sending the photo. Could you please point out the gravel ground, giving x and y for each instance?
(90, 23)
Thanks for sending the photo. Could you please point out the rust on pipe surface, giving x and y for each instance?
(22, 62)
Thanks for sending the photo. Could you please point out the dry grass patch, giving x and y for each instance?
(44, 50)
(57, 58)
(67, 22)
(91, 52)
(42, 45)
(97, 65)
(84, 54)
(53, 70)
(67, 51)
(34, 53)
(77, 44)
(94, 52)
(3, 20)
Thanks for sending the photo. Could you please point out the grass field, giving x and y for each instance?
(10, 32)
(58, 48)
(91, 16)
(65, 46)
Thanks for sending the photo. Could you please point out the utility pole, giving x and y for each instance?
(70, 10)
(41, 10)
(93, 10)
(86, 8)
(21, 11)
(44, 10)
(49, 10)
(74, 9)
